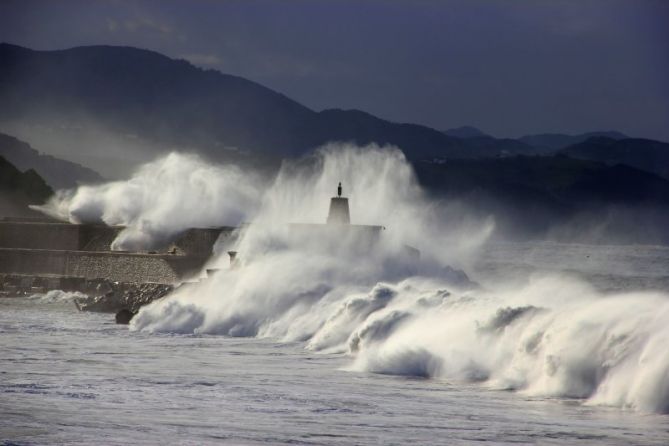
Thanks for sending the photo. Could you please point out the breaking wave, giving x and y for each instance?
(340, 291)
(556, 337)
(162, 198)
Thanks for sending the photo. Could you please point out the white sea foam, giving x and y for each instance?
(163, 197)
(56, 296)
(393, 314)
(555, 337)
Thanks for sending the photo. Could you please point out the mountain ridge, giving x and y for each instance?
(542, 196)
(20, 189)
(58, 173)
(176, 103)
(644, 154)
(552, 142)
(466, 132)
(68, 102)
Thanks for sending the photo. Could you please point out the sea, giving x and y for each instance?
(77, 378)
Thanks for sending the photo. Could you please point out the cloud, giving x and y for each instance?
(147, 24)
(140, 26)
(112, 25)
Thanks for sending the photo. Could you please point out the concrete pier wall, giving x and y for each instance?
(39, 235)
(200, 241)
(96, 237)
(121, 267)
(55, 249)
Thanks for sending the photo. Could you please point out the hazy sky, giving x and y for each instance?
(508, 67)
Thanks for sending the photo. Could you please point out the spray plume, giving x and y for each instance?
(555, 336)
(162, 198)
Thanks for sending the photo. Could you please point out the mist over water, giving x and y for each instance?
(339, 292)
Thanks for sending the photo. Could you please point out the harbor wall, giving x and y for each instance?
(39, 235)
(50, 250)
(119, 267)
(97, 237)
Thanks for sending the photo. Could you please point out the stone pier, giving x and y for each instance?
(36, 256)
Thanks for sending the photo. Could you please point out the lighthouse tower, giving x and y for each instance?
(339, 213)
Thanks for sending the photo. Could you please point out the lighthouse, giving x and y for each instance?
(339, 213)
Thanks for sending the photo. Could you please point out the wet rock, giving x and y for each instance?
(124, 316)
(112, 297)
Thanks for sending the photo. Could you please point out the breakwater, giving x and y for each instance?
(38, 256)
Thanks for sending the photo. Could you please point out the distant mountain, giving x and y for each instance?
(644, 154)
(20, 189)
(58, 173)
(112, 108)
(86, 103)
(466, 132)
(552, 142)
(489, 147)
(560, 179)
(532, 195)
(171, 103)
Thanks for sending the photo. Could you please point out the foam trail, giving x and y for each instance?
(58, 296)
(162, 198)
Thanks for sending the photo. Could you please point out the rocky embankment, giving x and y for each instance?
(124, 299)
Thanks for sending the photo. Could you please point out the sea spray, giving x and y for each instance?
(287, 270)
(555, 336)
(162, 198)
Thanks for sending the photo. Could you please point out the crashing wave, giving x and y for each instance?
(397, 315)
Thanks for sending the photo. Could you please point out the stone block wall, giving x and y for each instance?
(121, 267)
(63, 250)
(200, 241)
(95, 237)
(37, 235)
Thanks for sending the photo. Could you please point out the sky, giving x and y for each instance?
(509, 67)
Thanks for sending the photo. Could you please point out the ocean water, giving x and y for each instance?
(77, 378)
(610, 268)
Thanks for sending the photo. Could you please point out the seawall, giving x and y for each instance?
(113, 266)
(37, 255)
(97, 237)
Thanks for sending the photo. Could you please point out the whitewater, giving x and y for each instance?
(329, 340)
